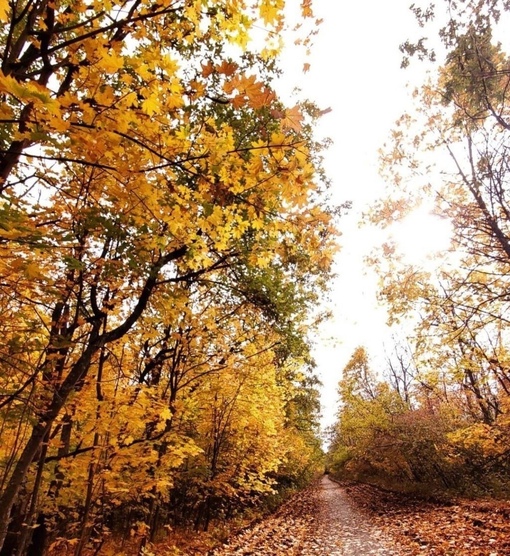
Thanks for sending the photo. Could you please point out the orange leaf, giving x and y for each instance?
(227, 68)
(293, 118)
(207, 69)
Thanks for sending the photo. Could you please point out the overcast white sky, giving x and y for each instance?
(355, 70)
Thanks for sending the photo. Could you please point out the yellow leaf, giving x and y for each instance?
(32, 271)
(7, 83)
(216, 217)
(270, 11)
(4, 11)
(150, 105)
(166, 414)
(111, 62)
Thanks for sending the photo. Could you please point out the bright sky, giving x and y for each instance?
(355, 70)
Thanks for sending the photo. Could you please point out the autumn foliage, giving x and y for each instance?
(436, 413)
(163, 240)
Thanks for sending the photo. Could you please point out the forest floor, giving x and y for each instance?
(332, 519)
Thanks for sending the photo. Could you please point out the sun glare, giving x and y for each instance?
(422, 236)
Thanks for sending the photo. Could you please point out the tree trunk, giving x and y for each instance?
(39, 432)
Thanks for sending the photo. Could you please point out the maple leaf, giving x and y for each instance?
(151, 309)
(207, 69)
(111, 62)
(249, 86)
(293, 119)
(151, 105)
(4, 10)
(227, 68)
(251, 91)
(306, 8)
(270, 11)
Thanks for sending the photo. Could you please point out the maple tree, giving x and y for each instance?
(161, 223)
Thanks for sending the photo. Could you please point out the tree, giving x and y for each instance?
(138, 161)
(366, 439)
(452, 148)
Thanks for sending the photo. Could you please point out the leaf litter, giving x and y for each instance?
(355, 519)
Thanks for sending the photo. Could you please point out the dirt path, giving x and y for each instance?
(319, 521)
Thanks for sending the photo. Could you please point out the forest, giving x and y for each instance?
(164, 243)
(434, 415)
(167, 243)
